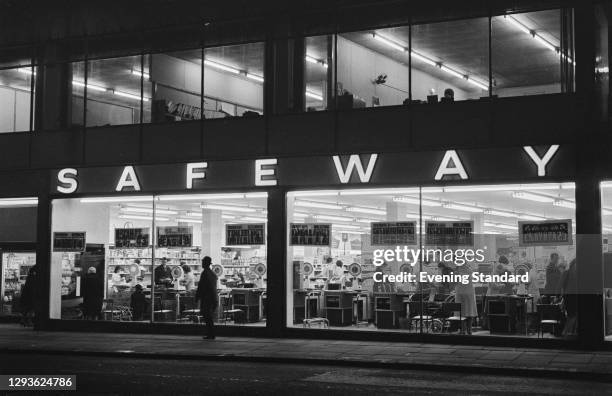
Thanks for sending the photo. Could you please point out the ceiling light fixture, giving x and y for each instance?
(18, 201)
(314, 95)
(137, 198)
(313, 60)
(465, 208)
(532, 197)
(563, 203)
(230, 208)
(333, 218)
(319, 205)
(373, 211)
(137, 217)
(148, 210)
(188, 220)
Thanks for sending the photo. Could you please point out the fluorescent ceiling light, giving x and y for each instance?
(465, 208)
(301, 215)
(380, 191)
(367, 221)
(333, 218)
(129, 95)
(141, 74)
(138, 217)
(501, 213)
(422, 58)
(26, 70)
(260, 219)
(442, 218)
(389, 42)
(477, 83)
(563, 203)
(531, 217)
(137, 198)
(314, 193)
(366, 210)
(536, 36)
(517, 24)
(255, 77)
(203, 197)
(320, 205)
(188, 220)
(606, 212)
(532, 197)
(90, 87)
(502, 226)
(148, 210)
(416, 216)
(314, 95)
(221, 66)
(18, 201)
(230, 208)
(337, 227)
(511, 187)
(605, 184)
(417, 201)
(313, 60)
(452, 72)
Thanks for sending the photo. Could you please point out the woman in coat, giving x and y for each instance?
(466, 296)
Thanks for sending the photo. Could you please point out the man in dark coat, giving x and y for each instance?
(93, 295)
(207, 296)
(553, 276)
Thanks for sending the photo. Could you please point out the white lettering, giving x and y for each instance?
(541, 162)
(191, 175)
(355, 162)
(260, 172)
(446, 169)
(128, 179)
(67, 176)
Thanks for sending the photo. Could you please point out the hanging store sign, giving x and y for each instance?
(309, 234)
(393, 233)
(68, 241)
(131, 237)
(519, 163)
(545, 233)
(449, 233)
(245, 234)
(171, 237)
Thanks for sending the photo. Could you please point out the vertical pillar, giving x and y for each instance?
(43, 249)
(277, 263)
(212, 234)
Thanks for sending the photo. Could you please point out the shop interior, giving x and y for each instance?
(423, 63)
(606, 223)
(15, 99)
(120, 259)
(17, 251)
(331, 285)
(373, 65)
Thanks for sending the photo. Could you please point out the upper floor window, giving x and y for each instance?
(527, 54)
(17, 99)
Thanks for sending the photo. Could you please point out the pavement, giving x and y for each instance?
(575, 364)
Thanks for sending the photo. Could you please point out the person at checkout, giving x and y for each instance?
(336, 276)
(163, 274)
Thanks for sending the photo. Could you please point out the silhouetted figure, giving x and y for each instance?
(207, 296)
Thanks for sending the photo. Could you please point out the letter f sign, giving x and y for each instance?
(355, 163)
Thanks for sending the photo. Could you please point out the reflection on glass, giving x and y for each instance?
(15, 98)
(373, 68)
(318, 72)
(526, 53)
(233, 81)
(78, 93)
(173, 80)
(98, 278)
(229, 228)
(450, 60)
(113, 91)
(346, 249)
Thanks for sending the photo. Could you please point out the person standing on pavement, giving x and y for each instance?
(207, 297)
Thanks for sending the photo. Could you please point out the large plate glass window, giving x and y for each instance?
(484, 260)
(373, 68)
(101, 258)
(233, 81)
(450, 60)
(113, 92)
(228, 228)
(528, 54)
(16, 98)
